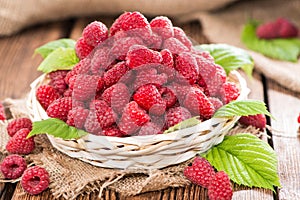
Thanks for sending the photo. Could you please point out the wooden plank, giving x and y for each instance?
(284, 106)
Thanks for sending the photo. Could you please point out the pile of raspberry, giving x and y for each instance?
(136, 78)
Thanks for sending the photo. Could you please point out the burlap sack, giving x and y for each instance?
(225, 26)
(17, 14)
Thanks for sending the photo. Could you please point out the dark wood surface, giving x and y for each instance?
(18, 70)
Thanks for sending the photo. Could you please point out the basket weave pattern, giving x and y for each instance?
(142, 152)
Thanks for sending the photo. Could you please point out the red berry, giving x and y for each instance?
(187, 66)
(35, 180)
(92, 125)
(162, 26)
(57, 80)
(82, 48)
(139, 55)
(154, 42)
(175, 46)
(113, 75)
(267, 31)
(168, 96)
(176, 115)
(83, 67)
(46, 94)
(180, 35)
(2, 112)
(149, 129)
(220, 187)
(149, 98)
(60, 108)
(112, 131)
(95, 33)
(298, 119)
(167, 58)
(229, 92)
(198, 103)
(16, 124)
(286, 28)
(18, 144)
(216, 102)
(116, 26)
(13, 166)
(258, 121)
(105, 114)
(200, 172)
(77, 117)
(122, 46)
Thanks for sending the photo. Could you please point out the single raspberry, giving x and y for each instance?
(113, 75)
(95, 33)
(86, 86)
(60, 108)
(203, 54)
(176, 115)
(200, 172)
(167, 58)
(198, 103)
(220, 187)
(180, 90)
(187, 66)
(258, 121)
(13, 166)
(18, 144)
(92, 125)
(83, 67)
(46, 94)
(117, 96)
(149, 129)
(57, 80)
(298, 119)
(175, 46)
(16, 124)
(133, 118)
(116, 26)
(2, 112)
(100, 60)
(216, 102)
(82, 48)
(229, 92)
(287, 29)
(267, 31)
(77, 117)
(122, 46)
(162, 26)
(35, 180)
(68, 93)
(149, 98)
(112, 131)
(180, 35)
(105, 114)
(139, 55)
(168, 96)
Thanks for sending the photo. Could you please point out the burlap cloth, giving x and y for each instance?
(71, 177)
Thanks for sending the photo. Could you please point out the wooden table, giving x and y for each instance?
(18, 70)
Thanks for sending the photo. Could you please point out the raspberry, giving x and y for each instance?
(267, 31)
(57, 80)
(16, 124)
(18, 144)
(13, 166)
(139, 55)
(122, 46)
(154, 42)
(200, 172)
(180, 90)
(287, 29)
(229, 92)
(149, 98)
(180, 35)
(176, 115)
(77, 117)
(168, 96)
(216, 102)
(46, 94)
(220, 187)
(60, 108)
(198, 103)
(258, 121)
(2, 112)
(116, 26)
(175, 46)
(92, 125)
(35, 180)
(86, 86)
(113, 131)
(186, 65)
(133, 118)
(149, 129)
(204, 54)
(105, 114)
(117, 96)
(167, 58)
(100, 60)
(83, 67)
(162, 26)
(113, 75)
(95, 33)
(298, 119)
(82, 48)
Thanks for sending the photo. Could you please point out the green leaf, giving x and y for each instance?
(48, 48)
(229, 57)
(247, 160)
(184, 124)
(57, 128)
(282, 49)
(60, 59)
(242, 108)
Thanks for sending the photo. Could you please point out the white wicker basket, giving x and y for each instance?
(143, 152)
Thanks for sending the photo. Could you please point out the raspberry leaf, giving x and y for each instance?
(247, 160)
(242, 108)
(48, 48)
(229, 57)
(56, 128)
(60, 59)
(282, 49)
(184, 124)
